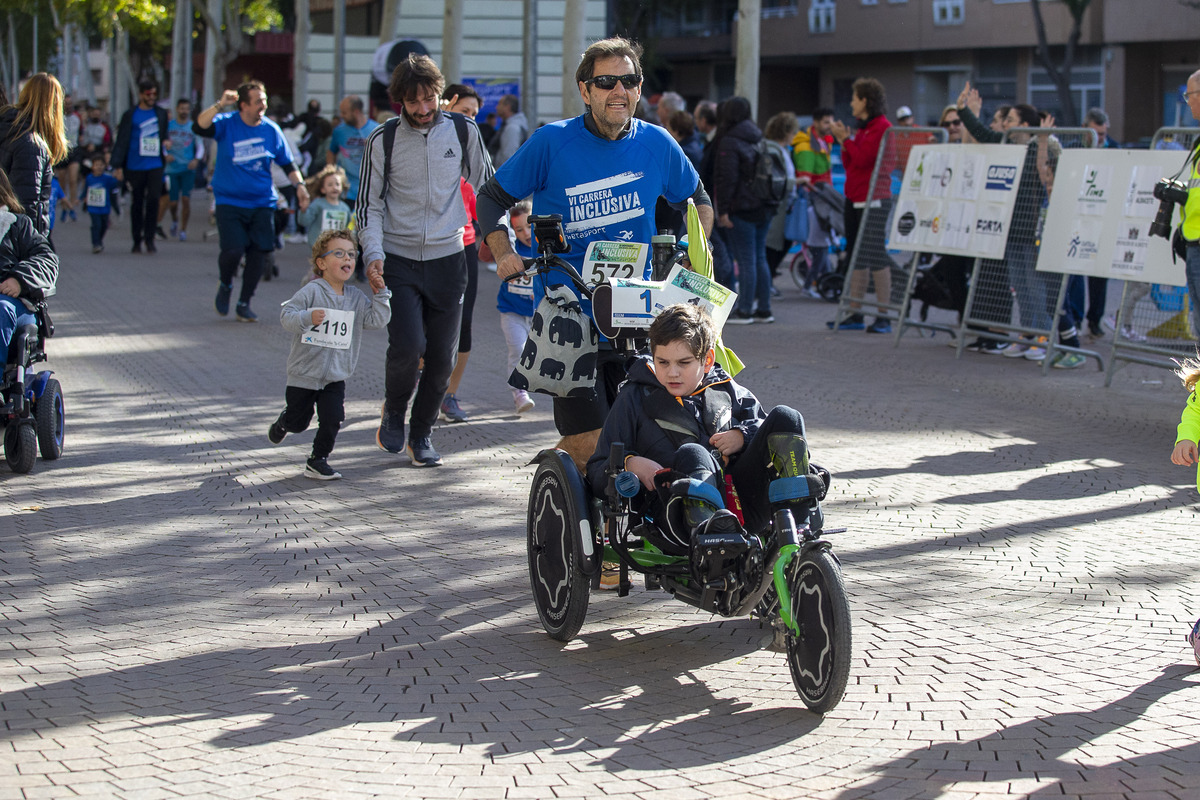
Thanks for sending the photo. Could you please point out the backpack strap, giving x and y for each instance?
(389, 141)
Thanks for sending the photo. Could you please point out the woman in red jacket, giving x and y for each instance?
(859, 152)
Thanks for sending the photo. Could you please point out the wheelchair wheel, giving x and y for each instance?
(819, 657)
(48, 411)
(560, 589)
(798, 267)
(20, 446)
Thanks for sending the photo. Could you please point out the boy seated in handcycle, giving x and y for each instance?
(678, 407)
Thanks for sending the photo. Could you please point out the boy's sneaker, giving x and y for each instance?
(763, 316)
(522, 400)
(880, 325)
(319, 470)
(276, 432)
(422, 454)
(451, 410)
(741, 318)
(1068, 360)
(224, 292)
(390, 435)
(853, 322)
(183, 236)
(244, 314)
(98, 248)
(991, 347)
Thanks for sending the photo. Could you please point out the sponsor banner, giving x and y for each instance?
(957, 199)
(1100, 212)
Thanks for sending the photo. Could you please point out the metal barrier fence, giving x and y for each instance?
(1154, 324)
(871, 268)
(1031, 326)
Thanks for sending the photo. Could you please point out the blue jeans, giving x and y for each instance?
(99, 228)
(749, 244)
(1030, 285)
(13, 315)
(1192, 270)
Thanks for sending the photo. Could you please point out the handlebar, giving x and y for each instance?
(548, 262)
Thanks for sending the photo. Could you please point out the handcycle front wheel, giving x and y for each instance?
(819, 656)
(560, 588)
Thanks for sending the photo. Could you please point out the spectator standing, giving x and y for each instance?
(515, 128)
(811, 150)
(138, 158)
(410, 221)
(868, 103)
(904, 117)
(1189, 226)
(184, 154)
(243, 190)
(683, 128)
(779, 132)
(1097, 287)
(349, 140)
(668, 104)
(32, 141)
(67, 171)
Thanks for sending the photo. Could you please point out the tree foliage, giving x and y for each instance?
(1060, 74)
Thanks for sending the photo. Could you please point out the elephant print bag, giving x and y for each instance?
(559, 358)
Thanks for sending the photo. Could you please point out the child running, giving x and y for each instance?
(327, 318)
(99, 196)
(1185, 452)
(326, 211)
(515, 300)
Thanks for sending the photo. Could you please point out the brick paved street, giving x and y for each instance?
(185, 615)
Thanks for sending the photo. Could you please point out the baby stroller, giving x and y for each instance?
(826, 225)
(31, 411)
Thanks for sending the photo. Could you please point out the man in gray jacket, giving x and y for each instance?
(410, 217)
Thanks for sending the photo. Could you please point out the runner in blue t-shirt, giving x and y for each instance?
(184, 154)
(137, 159)
(348, 141)
(603, 172)
(247, 143)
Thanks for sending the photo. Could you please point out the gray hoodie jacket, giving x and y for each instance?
(423, 216)
(314, 367)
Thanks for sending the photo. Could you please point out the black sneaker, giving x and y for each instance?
(137, 247)
(223, 294)
(854, 322)
(764, 316)
(276, 432)
(740, 318)
(390, 435)
(244, 314)
(319, 470)
(880, 325)
(150, 247)
(992, 347)
(421, 453)
(160, 232)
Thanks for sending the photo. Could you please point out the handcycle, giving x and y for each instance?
(31, 402)
(785, 574)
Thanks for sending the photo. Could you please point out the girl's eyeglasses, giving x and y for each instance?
(339, 253)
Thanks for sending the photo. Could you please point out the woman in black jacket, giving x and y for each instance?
(28, 266)
(32, 141)
(745, 217)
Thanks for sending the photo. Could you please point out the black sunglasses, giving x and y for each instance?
(951, 123)
(609, 82)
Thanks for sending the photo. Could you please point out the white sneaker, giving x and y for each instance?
(1129, 334)
(1014, 350)
(296, 238)
(522, 401)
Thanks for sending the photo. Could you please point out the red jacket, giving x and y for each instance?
(858, 157)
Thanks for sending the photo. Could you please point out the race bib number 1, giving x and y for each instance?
(607, 261)
(333, 331)
(149, 147)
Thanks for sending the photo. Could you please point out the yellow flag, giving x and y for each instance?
(702, 263)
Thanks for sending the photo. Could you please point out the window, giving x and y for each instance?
(822, 16)
(1087, 82)
(870, 2)
(695, 19)
(780, 8)
(948, 12)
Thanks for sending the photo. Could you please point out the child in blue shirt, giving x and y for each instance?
(515, 300)
(99, 195)
(56, 194)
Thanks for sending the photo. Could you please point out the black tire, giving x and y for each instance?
(20, 446)
(48, 411)
(798, 269)
(819, 657)
(830, 285)
(560, 589)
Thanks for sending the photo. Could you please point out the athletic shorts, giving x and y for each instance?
(573, 415)
(180, 184)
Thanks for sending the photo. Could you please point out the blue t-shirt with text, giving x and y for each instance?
(145, 139)
(242, 176)
(183, 146)
(348, 144)
(604, 190)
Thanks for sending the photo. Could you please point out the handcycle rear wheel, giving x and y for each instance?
(798, 267)
(560, 589)
(819, 657)
(20, 446)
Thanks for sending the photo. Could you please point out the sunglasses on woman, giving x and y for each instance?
(609, 82)
(950, 123)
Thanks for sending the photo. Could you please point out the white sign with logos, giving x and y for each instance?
(1098, 222)
(957, 199)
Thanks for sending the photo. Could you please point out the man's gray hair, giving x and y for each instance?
(1096, 116)
(670, 102)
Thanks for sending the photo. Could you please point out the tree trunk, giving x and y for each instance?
(1060, 75)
